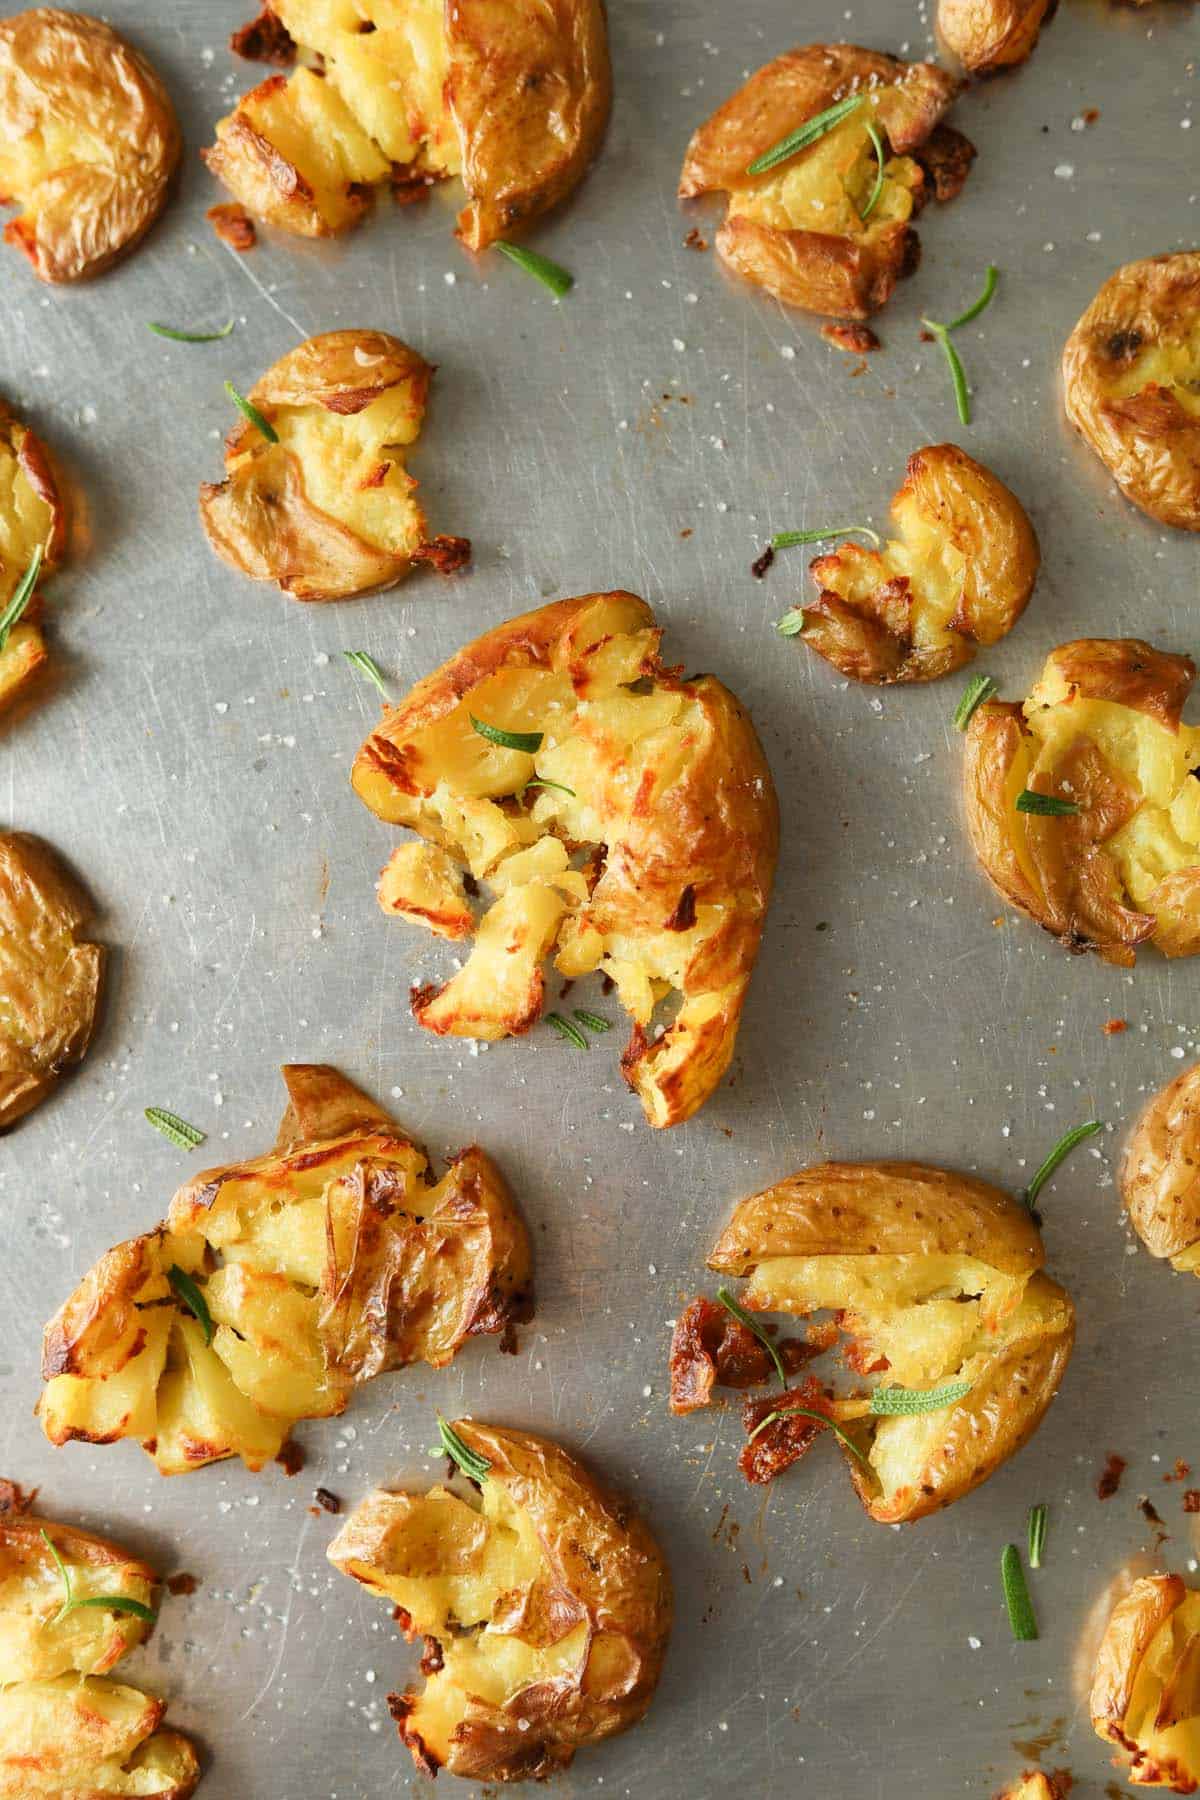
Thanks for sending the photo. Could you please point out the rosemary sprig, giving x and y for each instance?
(977, 306)
(185, 1136)
(877, 145)
(473, 1465)
(366, 665)
(529, 741)
(1048, 805)
(118, 1603)
(783, 540)
(941, 332)
(1037, 1535)
(592, 1020)
(542, 782)
(565, 1029)
(805, 134)
(977, 690)
(189, 1292)
(810, 1412)
(189, 337)
(251, 412)
(551, 274)
(744, 1318)
(22, 595)
(1060, 1152)
(900, 1402)
(1016, 1596)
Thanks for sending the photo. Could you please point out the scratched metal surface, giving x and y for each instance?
(193, 764)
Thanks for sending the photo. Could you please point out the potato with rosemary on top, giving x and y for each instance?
(1146, 1687)
(827, 224)
(543, 1601)
(33, 530)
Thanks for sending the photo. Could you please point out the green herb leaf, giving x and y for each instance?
(192, 1298)
(805, 134)
(1037, 1535)
(61, 1566)
(880, 158)
(190, 337)
(783, 540)
(565, 1029)
(1049, 805)
(1016, 1596)
(469, 1461)
(529, 741)
(792, 623)
(977, 690)
(22, 595)
(551, 274)
(809, 1412)
(592, 1020)
(900, 1402)
(172, 1126)
(973, 311)
(366, 665)
(743, 1318)
(958, 375)
(117, 1603)
(1061, 1150)
(248, 408)
(540, 781)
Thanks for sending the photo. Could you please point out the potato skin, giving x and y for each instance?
(1160, 1174)
(1148, 441)
(989, 35)
(76, 68)
(1132, 1627)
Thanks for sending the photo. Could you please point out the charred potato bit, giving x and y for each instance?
(959, 573)
(710, 1348)
(1160, 1177)
(1146, 1689)
(66, 1730)
(661, 782)
(545, 1606)
(49, 981)
(1102, 732)
(933, 1278)
(330, 510)
(511, 100)
(989, 35)
(1131, 377)
(88, 142)
(321, 1264)
(797, 229)
(32, 517)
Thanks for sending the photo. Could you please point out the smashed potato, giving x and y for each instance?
(959, 573)
(1101, 733)
(511, 100)
(65, 1730)
(49, 981)
(1146, 1689)
(1160, 1175)
(798, 229)
(329, 510)
(32, 517)
(88, 142)
(316, 1267)
(988, 35)
(1131, 378)
(664, 780)
(934, 1278)
(545, 1606)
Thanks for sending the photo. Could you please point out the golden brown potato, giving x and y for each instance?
(798, 229)
(88, 142)
(49, 981)
(330, 509)
(65, 1731)
(663, 779)
(511, 100)
(1160, 1176)
(934, 1278)
(32, 516)
(1146, 1689)
(959, 573)
(1131, 379)
(545, 1606)
(1034, 1785)
(1101, 732)
(319, 1265)
(987, 35)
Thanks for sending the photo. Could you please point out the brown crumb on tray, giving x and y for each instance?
(233, 225)
(694, 241)
(1180, 1472)
(1110, 1477)
(291, 1458)
(859, 339)
(1114, 1027)
(1191, 1500)
(326, 1501)
(182, 1583)
(14, 1498)
(761, 564)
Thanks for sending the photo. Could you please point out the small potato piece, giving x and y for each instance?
(1101, 731)
(989, 35)
(1146, 1688)
(664, 779)
(1160, 1175)
(1035, 1785)
(49, 980)
(797, 229)
(545, 1605)
(960, 573)
(422, 884)
(32, 517)
(34, 1644)
(329, 511)
(1131, 382)
(88, 142)
(323, 1263)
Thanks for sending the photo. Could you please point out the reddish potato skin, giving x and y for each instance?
(989, 35)
(1160, 1175)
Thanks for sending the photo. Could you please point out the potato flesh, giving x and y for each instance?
(26, 520)
(826, 187)
(422, 884)
(353, 464)
(1174, 364)
(1177, 1746)
(33, 1646)
(72, 1736)
(309, 124)
(924, 556)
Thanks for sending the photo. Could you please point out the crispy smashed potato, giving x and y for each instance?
(1146, 1689)
(1101, 731)
(988, 35)
(1160, 1175)
(330, 510)
(88, 142)
(49, 980)
(1131, 377)
(661, 781)
(797, 229)
(545, 1606)
(933, 1278)
(65, 1730)
(319, 1265)
(511, 100)
(959, 573)
(32, 516)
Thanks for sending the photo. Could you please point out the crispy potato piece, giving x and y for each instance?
(934, 1277)
(423, 884)
(323, 1263)
(32, 514)
(512, 100)
(544, 1603)
(989, 35)
(1160, 1175)
(1035, 1785)
(1131, 383)
(959, 573)
(664, 778)
(330, 510)
(1101, 730)
(88, 142)
(1146, 1689)
(797, 229)
(49, 981)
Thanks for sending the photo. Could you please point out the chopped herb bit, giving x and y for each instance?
(551, 274)
(958, 374)
(900, 1402)
(1016, 1596)
(565, 1029)
(1061, 1150)
(251, 412)
(190, 337)
(805, 134)
(469, 1461)
(880, 158)
(784, 540)
(792, 623)
(172, 1126)
(809, 1412)
(743, 1318)
(22, 595)
(1049, 805)
(592, 1020)
(541, 781)
(366, 665)
(192, 1298)
(529, 741)
(977, 690)
(973, 311)
(1037, 1535)
(117, 1603)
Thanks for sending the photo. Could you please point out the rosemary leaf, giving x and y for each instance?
(1016, 1596)
(185, 1136)
(977, 690)
(1060, 1152)
(22, 595)
(1049, 805)
(900, 1402)
(366, 665)
(473, 1465)
(1037, 1535)
(551, 274)
(880, 158)
(976, 307)
(192, 1298)
(117, 1603)
(744, 1318)
(805, 134)
(251, 412)
(189, 337)
(958, 375)
(565, 1029)
(529, 741)
(783, 540)
(592, 1020)
(541, 781)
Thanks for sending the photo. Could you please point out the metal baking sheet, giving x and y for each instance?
(193, 760)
